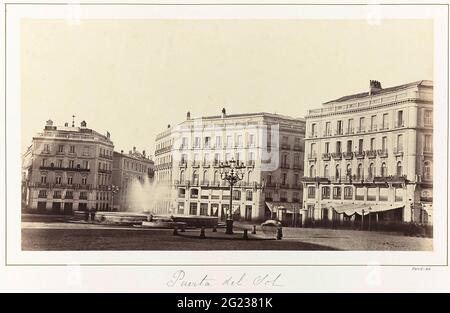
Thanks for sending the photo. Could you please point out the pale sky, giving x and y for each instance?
(133, 77)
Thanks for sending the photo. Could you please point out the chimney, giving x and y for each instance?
(168, 125)
(188, 115)
(66, 124)
(121, 151)
(129, 152)
(224, 112)
(134, 149)
(143, 153)
(374, 87)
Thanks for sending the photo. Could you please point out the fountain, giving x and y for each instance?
(147, 203)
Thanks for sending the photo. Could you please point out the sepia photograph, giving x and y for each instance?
(225, 143)
(250, 134)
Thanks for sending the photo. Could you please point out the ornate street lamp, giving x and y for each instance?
(230, 172)
(113, 189)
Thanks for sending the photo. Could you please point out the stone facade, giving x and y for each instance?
(126, 168)
(371, 152)
(188, 158)
(67, 169)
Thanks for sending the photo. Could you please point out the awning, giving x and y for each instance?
(360, 209)
(288, 207)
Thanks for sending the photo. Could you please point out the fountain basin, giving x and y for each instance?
(120, 218)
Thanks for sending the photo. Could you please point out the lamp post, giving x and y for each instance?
(113, 189)
(230, 172)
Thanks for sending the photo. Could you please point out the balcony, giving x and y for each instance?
(326, 156)
(163, 150)
(382, 153)
(316, 179)
(104, 156)
(373, 128)
(270, 185)
(327, 133)
(360, 154)
(348, 155)
(101, 170)
(426, 199)
(397, 179)
(205, 183)
(68, 197)
(398, 152)
(251, 163)
(298, 148)
(339, 132)
(350, 131)
(371, 154)
(399, 124)
(42, 196)
(183, 164)
(312, 135)
(181, 183)
(216, 163)
(195, 164)
(360, 130)
(61, 168)
(284, 186)
(58, 196)
(298, 167)
(285, 166)
(285, 146)
(206, 164)
(337, 155)
(83, 197)
(384, 127)
(427, 151)
(312, 157)
(182, 147)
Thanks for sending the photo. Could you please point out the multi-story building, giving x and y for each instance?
(188, 159)
(66, 169)
(129, 167)
(371, 153)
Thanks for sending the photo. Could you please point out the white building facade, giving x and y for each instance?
(270, 146)
(371, 153)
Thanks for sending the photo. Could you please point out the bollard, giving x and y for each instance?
(245, 234)
(215, 229)
(254, 229)
(175, 231)
(279, 233)
(93, 216)
(182, 228)
(86, 216)
(202, 233)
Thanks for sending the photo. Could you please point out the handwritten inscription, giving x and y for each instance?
(181, 279)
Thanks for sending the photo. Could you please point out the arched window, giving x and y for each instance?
(349, 170)
(383, 170)
(182, 177)
(338, 171)
(399, 169)
(216, 177)
(312, 171)
(195, 177)
(326, 171)
(249, 177)
(359, 172)
(371, 173)
(205, 176)
(427, 170)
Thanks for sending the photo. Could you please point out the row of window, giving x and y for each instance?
(237, 195)
(134, 166)
(350, 193)
(59, 180)
(61, 149)
(57, 194)
(371, 171)
(60, 163)
(283, 196)
(427, 145)
(362, 127)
